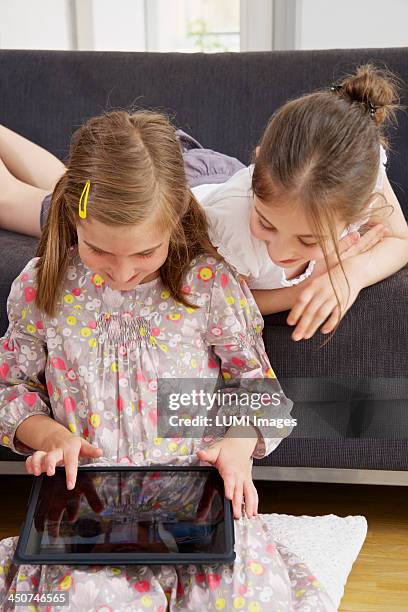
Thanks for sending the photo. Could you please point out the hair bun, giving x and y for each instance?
(376, 88)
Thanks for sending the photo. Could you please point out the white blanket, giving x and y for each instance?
(328, 544)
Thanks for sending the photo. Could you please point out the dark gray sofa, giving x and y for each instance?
(351, 396)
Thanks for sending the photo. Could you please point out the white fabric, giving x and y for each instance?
(295, 281)
(228, 207)
(328, 544)
(202, 191)
(382, 170)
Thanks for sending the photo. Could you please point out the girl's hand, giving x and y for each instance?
(317, 304)
(352, 244)
(317, 301)
(63, 450)
(232, 457)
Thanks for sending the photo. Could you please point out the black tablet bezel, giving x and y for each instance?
(21, 557)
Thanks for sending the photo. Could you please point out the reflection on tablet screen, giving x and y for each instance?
(129, 511)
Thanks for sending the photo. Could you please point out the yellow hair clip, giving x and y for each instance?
(84, 195)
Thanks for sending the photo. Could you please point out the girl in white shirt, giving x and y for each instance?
(289, 222)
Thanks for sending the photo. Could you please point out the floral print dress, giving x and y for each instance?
(94, 368)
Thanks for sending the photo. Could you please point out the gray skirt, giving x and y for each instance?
(202, 166)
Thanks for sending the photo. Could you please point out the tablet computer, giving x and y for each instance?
(128, 515)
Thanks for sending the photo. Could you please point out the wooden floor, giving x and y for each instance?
(379, 578)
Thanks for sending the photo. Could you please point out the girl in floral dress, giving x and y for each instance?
(126, 289)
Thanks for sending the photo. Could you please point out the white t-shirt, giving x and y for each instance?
(228, 208)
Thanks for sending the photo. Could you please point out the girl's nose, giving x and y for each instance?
(123, 276)
(279, 250)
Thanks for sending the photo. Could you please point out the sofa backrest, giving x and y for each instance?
(224, 99)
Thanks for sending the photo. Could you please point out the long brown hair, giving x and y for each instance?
(135, 167)
(322, 151)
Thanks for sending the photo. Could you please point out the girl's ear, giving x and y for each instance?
(257, 149)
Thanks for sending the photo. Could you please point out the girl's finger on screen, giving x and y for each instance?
(71, 467)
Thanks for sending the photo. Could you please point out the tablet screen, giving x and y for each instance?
(136, 511)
